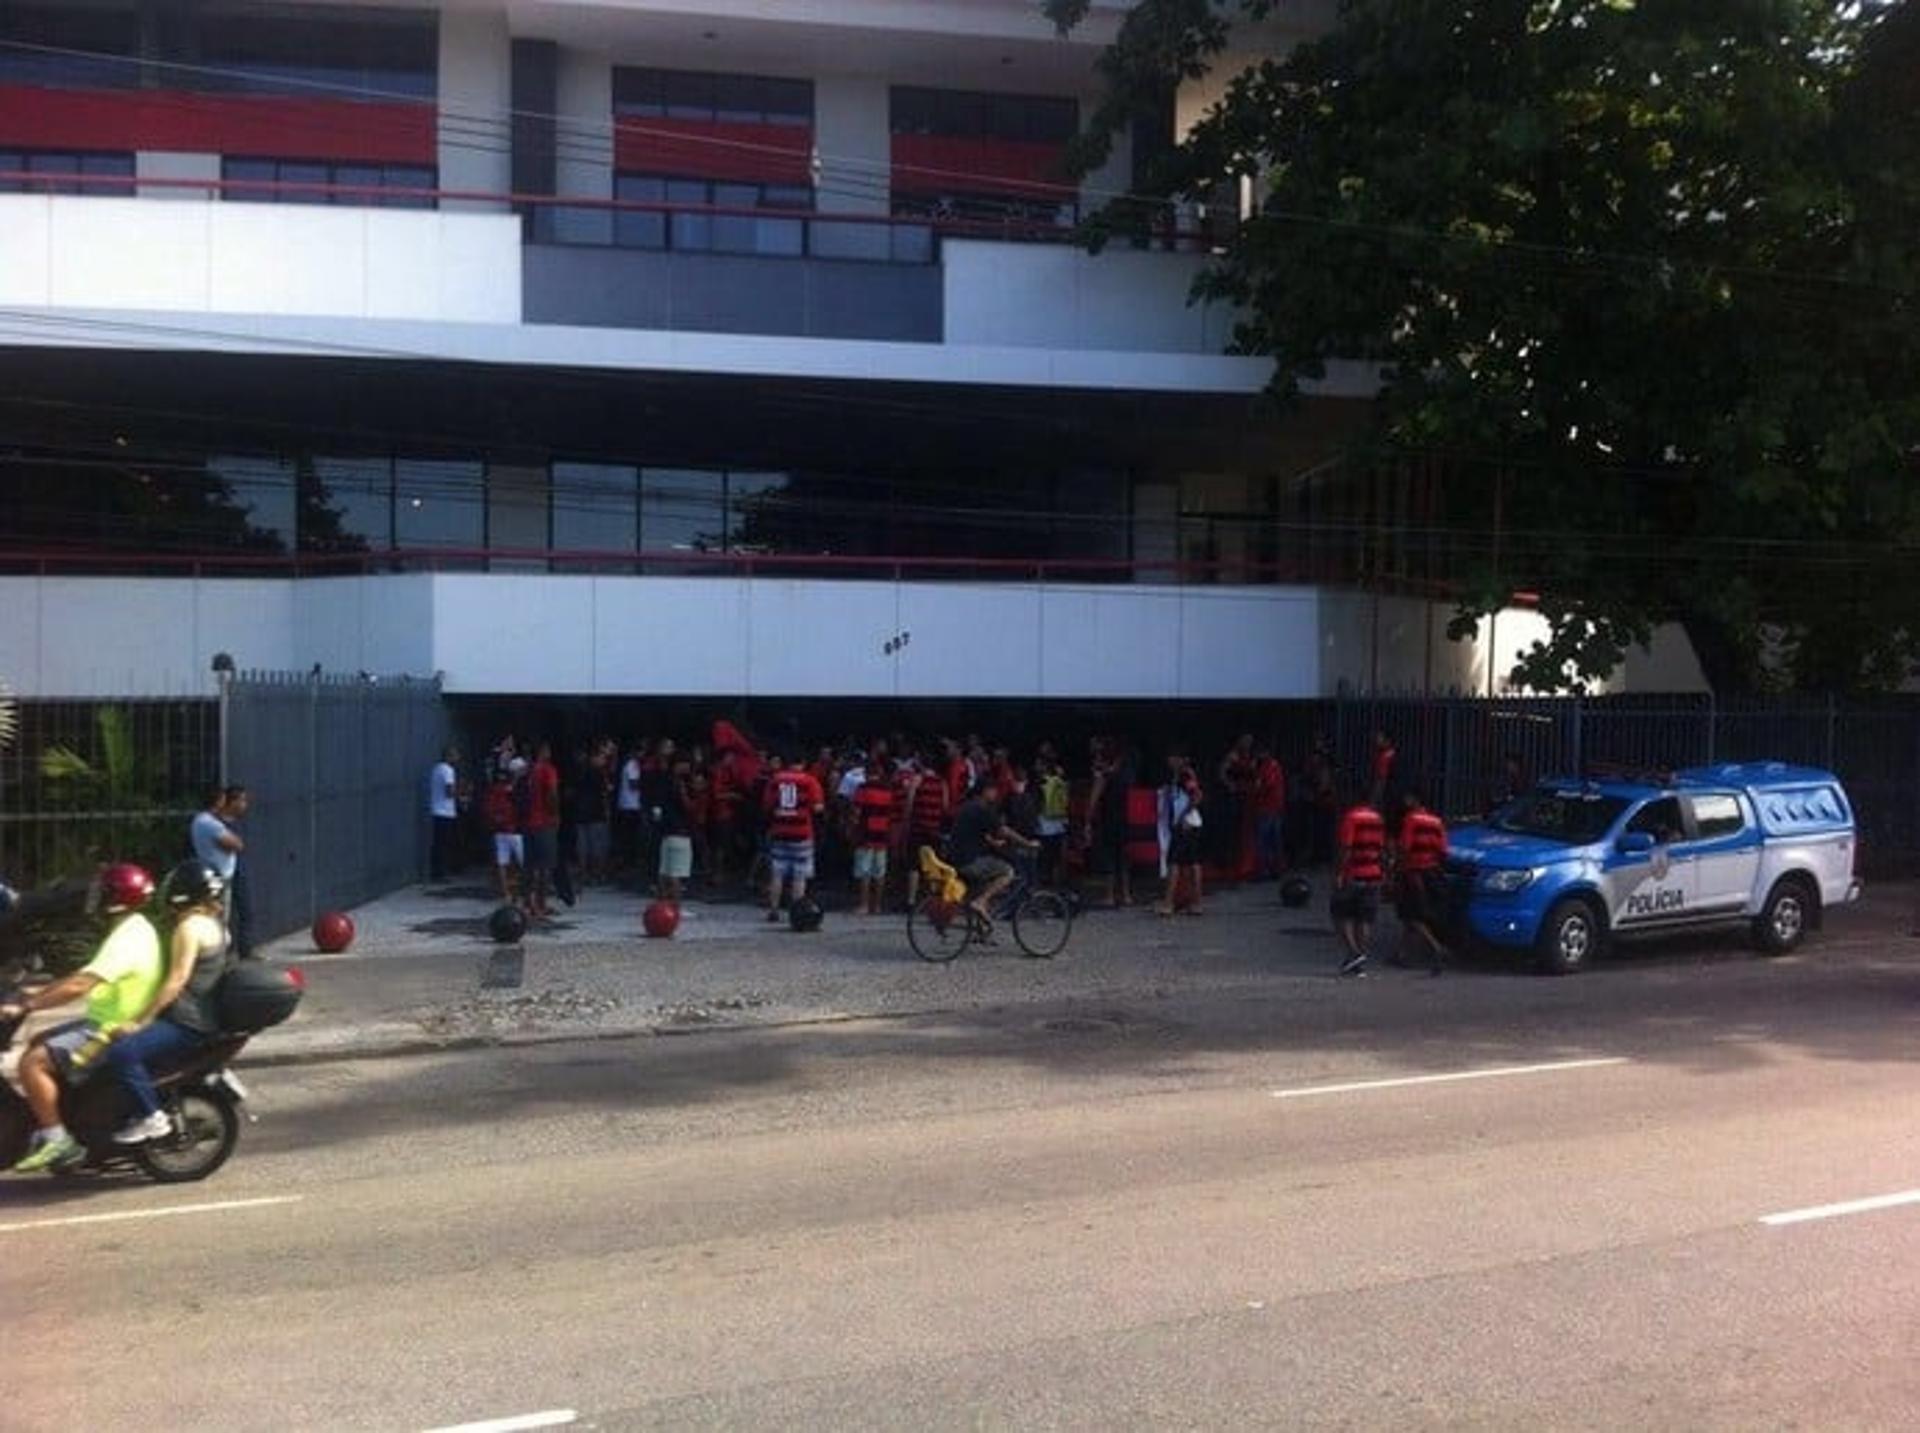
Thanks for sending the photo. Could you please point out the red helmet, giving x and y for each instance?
(124, 888)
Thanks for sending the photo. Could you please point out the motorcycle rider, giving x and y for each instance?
(200, 952)
(121, 985)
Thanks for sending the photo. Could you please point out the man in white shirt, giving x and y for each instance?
(443, 807)
(626, 808)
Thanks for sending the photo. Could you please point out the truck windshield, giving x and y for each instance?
(1574, 817)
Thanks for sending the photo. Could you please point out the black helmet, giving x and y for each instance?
(193, 883)
(805, 914)
(1295, 891)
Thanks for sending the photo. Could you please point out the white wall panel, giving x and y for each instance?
(26, 249)
(1056, 296)
(970, 639)
(821, 638)
(1248, 642)
(1110, 641)
(514, 633)
(620, 636)
(287, 258)
(127, 253)
(670, 635)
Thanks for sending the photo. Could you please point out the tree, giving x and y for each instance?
(1642, 274)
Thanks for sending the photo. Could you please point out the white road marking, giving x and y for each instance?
(1305, 1091)
(1852, 1206)
(171, 1209)
(552, 1418)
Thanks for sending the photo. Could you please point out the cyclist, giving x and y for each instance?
(980, 832)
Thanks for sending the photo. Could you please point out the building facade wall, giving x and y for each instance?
(539, 635)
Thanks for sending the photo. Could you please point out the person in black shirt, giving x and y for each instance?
(979, 833)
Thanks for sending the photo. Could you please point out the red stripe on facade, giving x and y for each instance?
(264, 126)
(933, 163)
(710, 149)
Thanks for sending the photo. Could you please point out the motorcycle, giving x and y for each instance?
(202, 1098)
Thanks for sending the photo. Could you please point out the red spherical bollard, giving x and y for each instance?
(661, 919)
(333, 932)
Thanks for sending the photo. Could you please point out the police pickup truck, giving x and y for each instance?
(1572, 864)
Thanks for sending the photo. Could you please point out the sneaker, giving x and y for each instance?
(154, 1126)
(1354, 965)
(49, 1153)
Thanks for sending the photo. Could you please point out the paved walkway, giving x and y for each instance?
(423, 974)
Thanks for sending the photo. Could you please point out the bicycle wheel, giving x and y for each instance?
(1042, 922)
(938, 930)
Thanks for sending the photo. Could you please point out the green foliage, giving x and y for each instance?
(1644, 274)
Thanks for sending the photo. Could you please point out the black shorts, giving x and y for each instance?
(1184, 848)
(1420, 898)
(1357, 901)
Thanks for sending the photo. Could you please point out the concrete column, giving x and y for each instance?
(476, 93)
(175, 164)
(585, 143)
(853, 135)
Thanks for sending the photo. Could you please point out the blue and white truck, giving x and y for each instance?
(1571, 865)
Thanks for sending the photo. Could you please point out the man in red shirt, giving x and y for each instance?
(1420, 890)
(1360, 865)
(928, 804)
(873, 804)
(792, 800)
(1269, 812)
(542, 828)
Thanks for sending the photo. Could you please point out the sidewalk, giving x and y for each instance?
(422, 974)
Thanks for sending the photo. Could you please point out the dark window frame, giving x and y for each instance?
(390, 176)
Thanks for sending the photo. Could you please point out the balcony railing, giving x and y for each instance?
(575, 219)
(1302, 569)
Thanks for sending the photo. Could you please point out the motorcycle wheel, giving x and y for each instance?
(206, 1128)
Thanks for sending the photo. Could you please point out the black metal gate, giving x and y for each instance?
(337, 770)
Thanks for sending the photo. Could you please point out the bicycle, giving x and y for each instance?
(943, 923)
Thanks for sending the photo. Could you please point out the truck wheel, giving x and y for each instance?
(1784, 919)
(1569, 937)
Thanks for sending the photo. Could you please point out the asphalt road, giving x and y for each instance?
(1190, 1212)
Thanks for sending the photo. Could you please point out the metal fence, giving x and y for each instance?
(90, 781)
(1458, 748)
(336, 769)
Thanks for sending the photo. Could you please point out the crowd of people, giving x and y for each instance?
(728, 814)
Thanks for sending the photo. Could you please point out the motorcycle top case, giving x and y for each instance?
(254, 995)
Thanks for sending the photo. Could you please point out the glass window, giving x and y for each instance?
(408, 176)
(789, 101)
(264, 488)
(689, 94)
(254, 170)
(639, 92)
(596, 507)
(438, 504)
(735, 234)
(381, 55)
(346, 505)
(1659, 819)
(71, 162)
(312, 172)
(964, 114)
(682, 510)
(690, 231)
(1717, 815)
(640, 229)
(101, 40)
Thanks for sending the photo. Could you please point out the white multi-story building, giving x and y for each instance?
(620, 347)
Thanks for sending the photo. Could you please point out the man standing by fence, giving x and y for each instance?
(217, 846)
(443, 809)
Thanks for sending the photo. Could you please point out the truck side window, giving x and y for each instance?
(1717, 815)
(1659, 819)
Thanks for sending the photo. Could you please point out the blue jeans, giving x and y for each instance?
(1268, 842)
(162, 1042)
